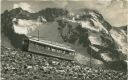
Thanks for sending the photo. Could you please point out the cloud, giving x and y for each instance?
(60, 3)
(24, 6)
(114, 11)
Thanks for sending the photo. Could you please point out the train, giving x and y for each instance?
(48, 48)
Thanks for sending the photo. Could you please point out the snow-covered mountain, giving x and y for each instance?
(96, 32)
(102, 41)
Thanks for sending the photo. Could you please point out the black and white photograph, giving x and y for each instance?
(64, 40)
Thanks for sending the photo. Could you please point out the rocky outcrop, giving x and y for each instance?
(120, 38)
(89, 29)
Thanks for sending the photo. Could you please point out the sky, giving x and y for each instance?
(114, 11)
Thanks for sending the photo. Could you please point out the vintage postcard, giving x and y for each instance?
(64, 39)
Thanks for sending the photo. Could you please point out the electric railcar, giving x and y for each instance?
(48, 48)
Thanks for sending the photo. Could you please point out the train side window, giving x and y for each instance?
(53, 49)
(62, 52)
(70, 53)
(44, 46)
(57, 50)
(66, 52)
(49, 48)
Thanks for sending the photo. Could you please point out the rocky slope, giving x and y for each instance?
(20, 65)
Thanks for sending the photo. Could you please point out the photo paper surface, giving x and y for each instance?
(64, 39)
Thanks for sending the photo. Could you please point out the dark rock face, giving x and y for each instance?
(8, 31)
(120, 38)
(123, 29)
(73, 33)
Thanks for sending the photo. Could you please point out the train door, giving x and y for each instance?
(25, 44)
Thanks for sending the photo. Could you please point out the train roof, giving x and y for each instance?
(53, 44)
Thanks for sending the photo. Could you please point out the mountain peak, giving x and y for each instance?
(17, 10)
